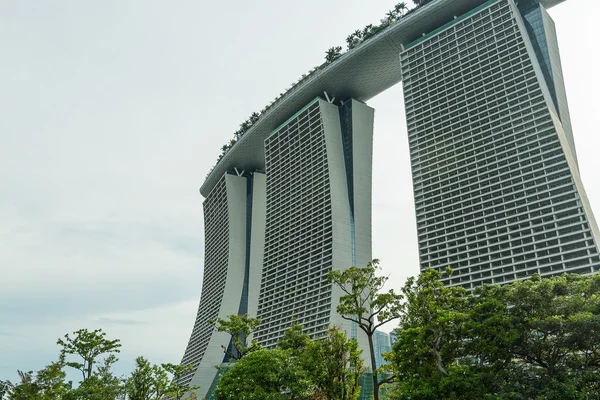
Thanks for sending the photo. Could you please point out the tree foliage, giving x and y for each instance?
(365, 303)
(45, 384)
(334, 365)
(101, 385)
(141, 383)
(239, 327)
(88, 346)
(175, 390)
(156, 382)
(265, 374)
(300, 368)
(533, 339)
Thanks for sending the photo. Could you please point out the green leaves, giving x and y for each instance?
(87, 345)
(239, 327)
(299, 368)
(147, 382)
(140, 385)
(154, 382)
(534, 339)
(334, 365)
(46, 384)
(174, 389)
(362, 301)
(263, 374)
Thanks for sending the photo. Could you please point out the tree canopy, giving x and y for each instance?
(147, 382)
(364, 303)
(299, 368)
(533, 339)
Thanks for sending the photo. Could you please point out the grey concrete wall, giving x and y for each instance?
(340, 210)
(236, 206)
(257, 240)
(362, 142)
(362, 154)
(342, 235)
(559, 83)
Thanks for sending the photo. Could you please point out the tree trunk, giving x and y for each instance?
(373, 367)
(89, 369)
(438, 356)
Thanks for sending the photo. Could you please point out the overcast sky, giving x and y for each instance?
(113, 111)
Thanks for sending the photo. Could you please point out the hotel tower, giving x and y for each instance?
(497, 189)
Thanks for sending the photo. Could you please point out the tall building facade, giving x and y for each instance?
(272, 237)
(498, 195)
(316, 221)
(234, 216)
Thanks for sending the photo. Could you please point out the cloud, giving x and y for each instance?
(113, 321)
(9, 334)
(61, 269)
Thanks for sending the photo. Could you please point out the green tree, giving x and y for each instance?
(334, 365)
(553, 338)
(140, 384)
(89, 346)
(152, 382)
(46, 384)
(294, 340)
(264, 374)
(430, 339)
(420, 3)
(239, 327)
(175, 389)
(364, 303)
(533, 339)
(6, 388)
(27, 389)
(101, 385)
(333, 54)
(401, 8)
(161, 382)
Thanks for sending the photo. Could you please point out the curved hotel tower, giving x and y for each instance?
(498, 195)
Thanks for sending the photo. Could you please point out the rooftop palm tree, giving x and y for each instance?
(419, 3)
(390, 16)
(367, 32)
(333, 54)
(401, 8)
(351, 41)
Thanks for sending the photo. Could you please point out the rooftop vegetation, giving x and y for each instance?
(354, 40)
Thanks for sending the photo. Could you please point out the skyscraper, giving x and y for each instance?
(234, 215)
(271, 238)
(498, 195)
(313, 162)
(497, 190)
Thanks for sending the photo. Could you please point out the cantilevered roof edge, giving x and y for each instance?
(359, 74)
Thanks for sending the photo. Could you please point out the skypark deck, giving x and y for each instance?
(361, 73)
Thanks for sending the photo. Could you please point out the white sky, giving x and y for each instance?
(111, 114)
